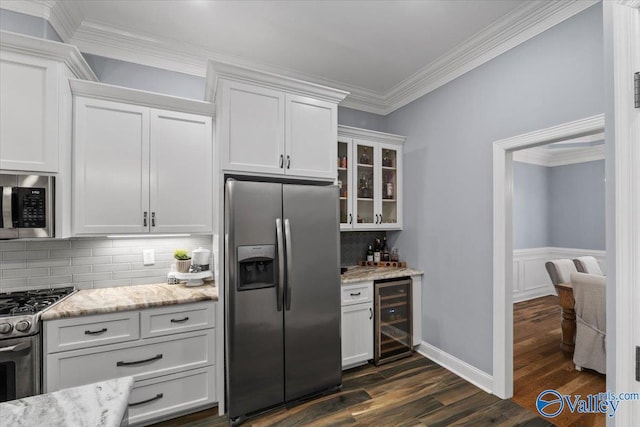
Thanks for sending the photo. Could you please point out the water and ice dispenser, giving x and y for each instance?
(256, 267)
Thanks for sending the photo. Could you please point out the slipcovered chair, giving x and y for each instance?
(587, 264)
(589, 295)
(560, 270)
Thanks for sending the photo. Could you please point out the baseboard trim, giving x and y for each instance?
(462, 369)
(543, 291)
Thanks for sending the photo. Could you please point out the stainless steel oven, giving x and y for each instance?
(20, 367)
(26, 206)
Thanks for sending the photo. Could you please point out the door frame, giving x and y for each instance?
(503, 237)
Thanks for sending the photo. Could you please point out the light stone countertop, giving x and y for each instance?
(108, 300)
(100, 404)
(365, 274)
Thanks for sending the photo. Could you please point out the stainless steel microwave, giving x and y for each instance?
(27, 206)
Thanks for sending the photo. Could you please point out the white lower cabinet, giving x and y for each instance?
(169, 351)
(357, 324)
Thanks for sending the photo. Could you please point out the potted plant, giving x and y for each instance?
(183, 260)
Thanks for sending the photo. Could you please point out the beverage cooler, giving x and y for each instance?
(393, 320)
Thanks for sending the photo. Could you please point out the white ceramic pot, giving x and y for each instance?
(200, 256)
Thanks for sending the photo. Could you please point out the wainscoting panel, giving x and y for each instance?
(530, 278)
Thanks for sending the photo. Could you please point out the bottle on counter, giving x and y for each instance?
(376, 251)
(385, 249)
(370, 254)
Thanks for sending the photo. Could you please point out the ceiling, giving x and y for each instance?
(386, 53)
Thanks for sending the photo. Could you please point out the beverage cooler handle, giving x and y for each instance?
(287, 238)
(280, 284)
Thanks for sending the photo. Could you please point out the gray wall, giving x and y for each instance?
(530, 206)
(26, 24)
(361, 119)
(577, 206)
(553, 78)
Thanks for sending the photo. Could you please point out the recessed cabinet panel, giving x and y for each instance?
(254, 127)
(29, 113)
(181, 172)
(111, 167)
(310, 125)
(357, 334)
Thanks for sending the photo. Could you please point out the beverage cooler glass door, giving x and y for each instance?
(393, 321)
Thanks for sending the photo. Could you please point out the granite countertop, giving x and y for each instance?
(109, 300)
(101, 404)
(365, 274)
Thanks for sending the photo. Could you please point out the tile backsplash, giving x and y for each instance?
(354, 245)
(88, 262)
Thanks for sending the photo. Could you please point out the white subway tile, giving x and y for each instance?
(83, 285)
(126, 258)
(111, 267)
(141, 266)
(51, 262)
(12, 246)
(112, 251)
(111, 283)
(13, 283)
(15, 255)
(91, 260)
(139, 273)
(25, 272)
(91, 276)
(74, 269)
(69, 253)
(149, 280)
(90, 243)
(47, 281)
(48, 244)
(6, 265)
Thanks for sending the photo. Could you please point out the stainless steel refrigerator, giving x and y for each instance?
(282, 288)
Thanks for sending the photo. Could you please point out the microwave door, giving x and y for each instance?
(6, 214)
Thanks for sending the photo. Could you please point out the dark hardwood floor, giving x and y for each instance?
(409, 392)
(538, 363)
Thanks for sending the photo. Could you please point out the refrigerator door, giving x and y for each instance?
(254, 352)
(312, 295)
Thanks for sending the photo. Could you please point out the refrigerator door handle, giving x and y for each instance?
(280, 284)
(287, 238)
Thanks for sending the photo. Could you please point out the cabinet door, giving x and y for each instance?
(311, 132)
(181, 172)
(389, 186)
(357, 334)
(365, 206)
(345, 182)
(111, 167)
(29, 112)
(252, 129)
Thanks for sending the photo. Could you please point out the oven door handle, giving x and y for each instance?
(17, 347)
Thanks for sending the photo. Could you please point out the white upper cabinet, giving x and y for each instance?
(34, 124)
(273, 125)
(370, 173)
(139, 169)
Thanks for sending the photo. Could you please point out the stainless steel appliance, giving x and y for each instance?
(393, 323)
(282, 288)
(26, 206)
(20, 340)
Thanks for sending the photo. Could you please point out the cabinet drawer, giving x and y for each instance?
(91, 331)
(158, 397)
(160, 356)
(356, 294)
(177, 318)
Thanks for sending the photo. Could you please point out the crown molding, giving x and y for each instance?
(370, 135)
(518, 26)
(222, 70)
(550, 158)
(61, 52)
(510, 31)
(140, 97)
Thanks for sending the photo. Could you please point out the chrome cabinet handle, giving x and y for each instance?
(280, 290)
(179, 320)
(138, 362)
(370, 313)
(144, 219)
(101, 331)
(153, 219)
(281, 161)
(288, 161)
(156, 397)
(381, 219)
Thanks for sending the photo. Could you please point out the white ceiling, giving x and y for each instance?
(386, 53)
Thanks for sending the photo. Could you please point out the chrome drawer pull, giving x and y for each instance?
(101, 331)
(179, 320)
(357, 294)
(157, 396)
(156, 357)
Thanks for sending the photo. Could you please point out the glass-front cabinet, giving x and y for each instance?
(370, 176)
